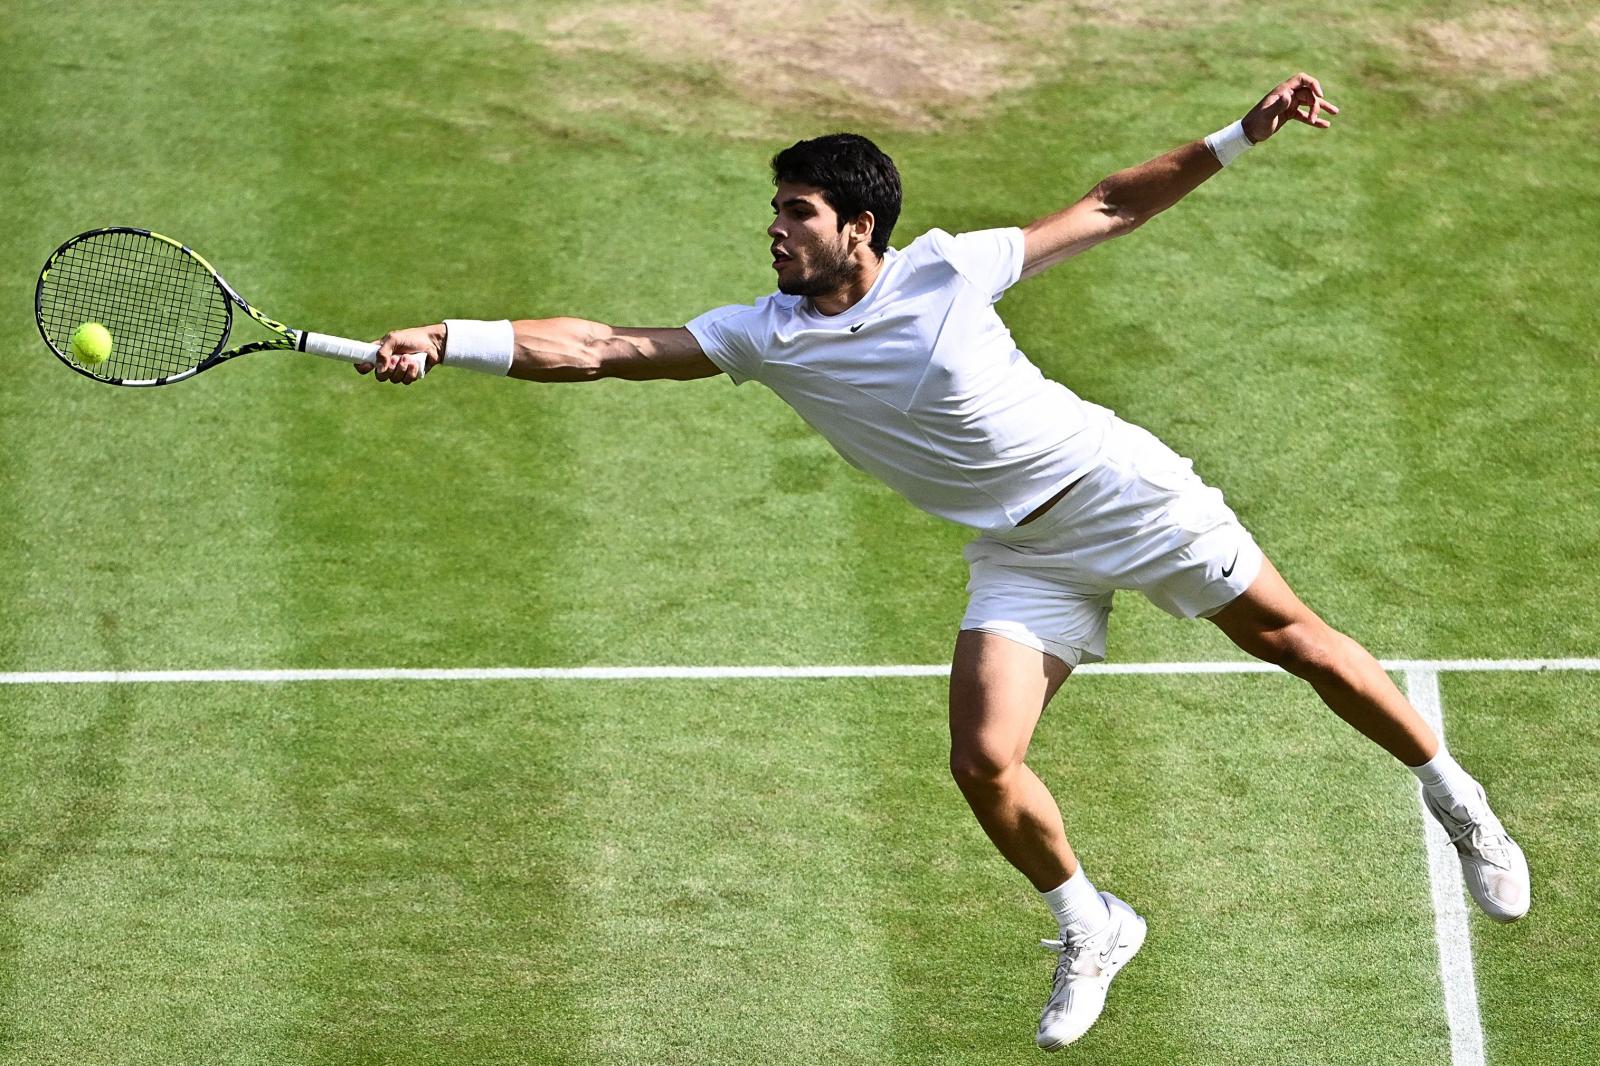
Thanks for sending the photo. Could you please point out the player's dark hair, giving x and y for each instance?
(854, 176)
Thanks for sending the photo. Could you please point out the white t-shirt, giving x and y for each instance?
(920, 383)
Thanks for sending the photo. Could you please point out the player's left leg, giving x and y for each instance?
(1177, 541)
(1270, 622)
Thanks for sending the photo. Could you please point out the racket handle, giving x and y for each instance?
(345, 350)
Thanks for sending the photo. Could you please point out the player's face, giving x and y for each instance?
(809, 252)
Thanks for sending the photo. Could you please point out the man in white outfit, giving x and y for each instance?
(899, 359)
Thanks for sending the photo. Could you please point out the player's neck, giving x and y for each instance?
(853, 291)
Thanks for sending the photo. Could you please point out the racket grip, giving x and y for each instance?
(345, 350)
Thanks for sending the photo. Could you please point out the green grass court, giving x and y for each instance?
(1380, 342)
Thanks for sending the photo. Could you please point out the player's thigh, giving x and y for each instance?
(1269, 621)
(998, 689)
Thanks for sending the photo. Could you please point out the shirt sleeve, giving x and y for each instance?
(724, 335)
(989, 258)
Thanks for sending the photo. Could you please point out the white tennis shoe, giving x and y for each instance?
(1084, 973)
(1492, 865)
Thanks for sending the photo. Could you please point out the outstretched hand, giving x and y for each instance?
(1299, 99)
(404, 355)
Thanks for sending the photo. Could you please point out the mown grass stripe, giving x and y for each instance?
(1534, 741)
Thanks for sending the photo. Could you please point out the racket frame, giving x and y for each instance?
(290, 339)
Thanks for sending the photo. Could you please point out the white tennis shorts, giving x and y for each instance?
(1141, 520)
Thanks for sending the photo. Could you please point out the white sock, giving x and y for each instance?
(1444, 779)
(1078, 908)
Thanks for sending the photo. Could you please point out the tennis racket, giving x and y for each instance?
(168, 311)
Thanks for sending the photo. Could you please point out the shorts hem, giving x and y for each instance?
(1069, 654)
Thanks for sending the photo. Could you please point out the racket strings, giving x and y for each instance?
(164, 310)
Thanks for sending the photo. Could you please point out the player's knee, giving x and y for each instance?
(1311, 651)
(978, 767)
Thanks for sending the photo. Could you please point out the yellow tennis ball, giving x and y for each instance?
(91, 343)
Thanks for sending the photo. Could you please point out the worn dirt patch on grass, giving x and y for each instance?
(746, 67)
(888, 62)
(1499, 45)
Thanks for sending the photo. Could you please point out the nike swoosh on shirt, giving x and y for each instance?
(857, 326)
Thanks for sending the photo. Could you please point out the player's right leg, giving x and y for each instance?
(998, 690)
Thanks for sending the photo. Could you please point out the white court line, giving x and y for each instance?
(1449, 910)
(708, 673)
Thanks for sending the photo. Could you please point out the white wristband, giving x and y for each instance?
(1229, 143)
(474, 344)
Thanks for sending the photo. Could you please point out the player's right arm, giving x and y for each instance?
(561, 349)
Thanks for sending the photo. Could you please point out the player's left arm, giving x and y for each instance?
(1129, 198)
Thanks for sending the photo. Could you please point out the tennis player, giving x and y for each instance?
(899, 359)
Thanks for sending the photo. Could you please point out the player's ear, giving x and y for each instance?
(861, 229)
